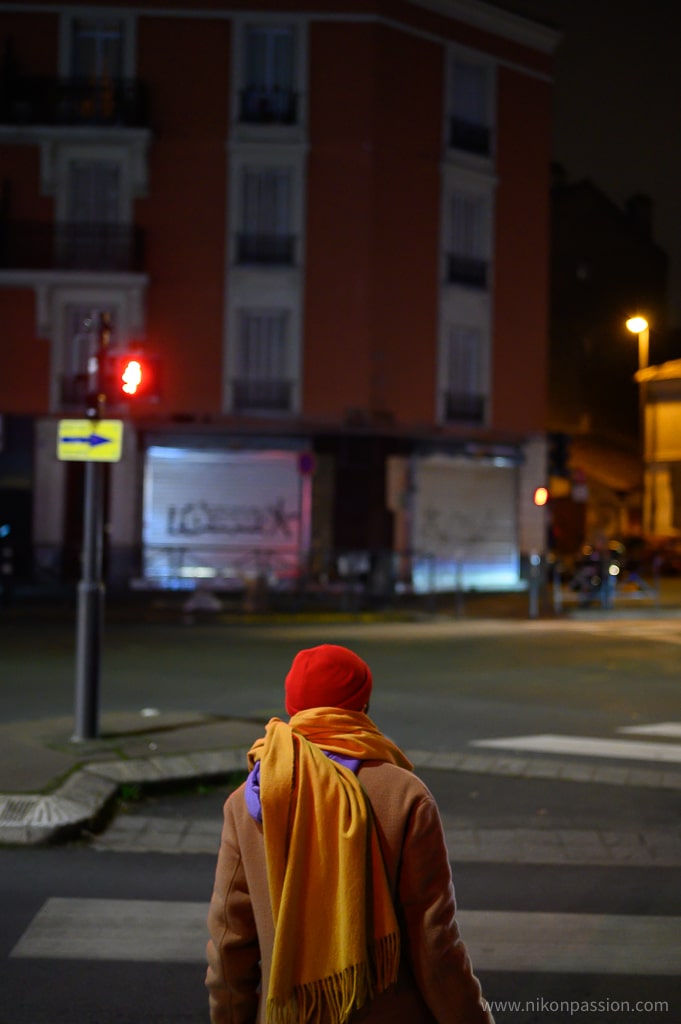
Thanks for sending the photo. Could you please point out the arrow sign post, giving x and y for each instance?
(93, 441)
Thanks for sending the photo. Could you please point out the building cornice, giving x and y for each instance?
(496, 21)
(486, 17)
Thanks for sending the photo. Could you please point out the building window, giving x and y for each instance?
(95, 92)
(90, 235)
(262, 383)
(265, 235)
(94, 191)
(97, 48)
(268, 94)
(467, 262)
(463, 397)
(469, 120)
(97, 68)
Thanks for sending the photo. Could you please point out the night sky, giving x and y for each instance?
(617, 106)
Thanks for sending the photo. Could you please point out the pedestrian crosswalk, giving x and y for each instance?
(644, 749)
(175, 932)
(515, 942)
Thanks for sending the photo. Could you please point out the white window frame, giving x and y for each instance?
(464, 342)
(298, 25)
(262, 187)
(268, 190)
(112, 208)
(479, 188)
(255, 159)
(478, 323)
(462, 305)
(469, 236)
(66, 24)
(260, 291)
(260, 320)
(454, 55)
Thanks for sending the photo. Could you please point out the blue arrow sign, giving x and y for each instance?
(91, 439)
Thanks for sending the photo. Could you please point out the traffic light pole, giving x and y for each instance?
(91, 586)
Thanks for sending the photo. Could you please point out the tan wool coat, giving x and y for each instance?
(436, 984)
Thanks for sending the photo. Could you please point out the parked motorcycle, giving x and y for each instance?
(597, 569)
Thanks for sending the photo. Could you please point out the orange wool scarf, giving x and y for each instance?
(337, 939)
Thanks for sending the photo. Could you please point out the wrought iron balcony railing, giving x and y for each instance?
(265, 249)
(268, 106)
(261, 395)
(467, 270)
(464, 407)
(45, 100)
(470, 136)
(32, 246)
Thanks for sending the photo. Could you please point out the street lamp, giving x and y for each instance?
(639, 325)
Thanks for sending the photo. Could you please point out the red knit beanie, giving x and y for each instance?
(327, 677)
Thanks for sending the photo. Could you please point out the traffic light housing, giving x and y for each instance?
(559, 454)
(130, 376)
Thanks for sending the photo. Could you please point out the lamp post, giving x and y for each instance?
(639, 325)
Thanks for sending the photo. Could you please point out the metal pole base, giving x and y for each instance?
(88, 644)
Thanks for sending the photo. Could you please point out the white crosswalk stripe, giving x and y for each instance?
(658, 630)
(175, 932)
(588, 746)
(658, 749)
(670, 729)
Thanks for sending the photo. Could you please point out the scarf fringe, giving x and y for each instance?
(335, 998)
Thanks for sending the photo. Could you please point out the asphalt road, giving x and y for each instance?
(436, 689)
(49, 989)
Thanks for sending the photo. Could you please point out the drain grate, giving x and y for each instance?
(16, 810)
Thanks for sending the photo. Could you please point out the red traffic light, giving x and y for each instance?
(130, 376)
(540, 496)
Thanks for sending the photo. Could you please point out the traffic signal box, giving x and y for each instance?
(130, 376)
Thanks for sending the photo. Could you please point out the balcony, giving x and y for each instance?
(464, 407)
(272, 249)
(261, 396)
(44, 100)
(467, 271)
(81, 247)
(470, 136)
(259, 105)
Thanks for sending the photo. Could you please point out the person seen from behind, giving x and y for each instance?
(333, 900)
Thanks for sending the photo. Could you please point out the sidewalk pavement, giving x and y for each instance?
(31, 605)
(53, 788)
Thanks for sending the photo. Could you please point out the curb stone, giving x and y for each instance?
(86, 795)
